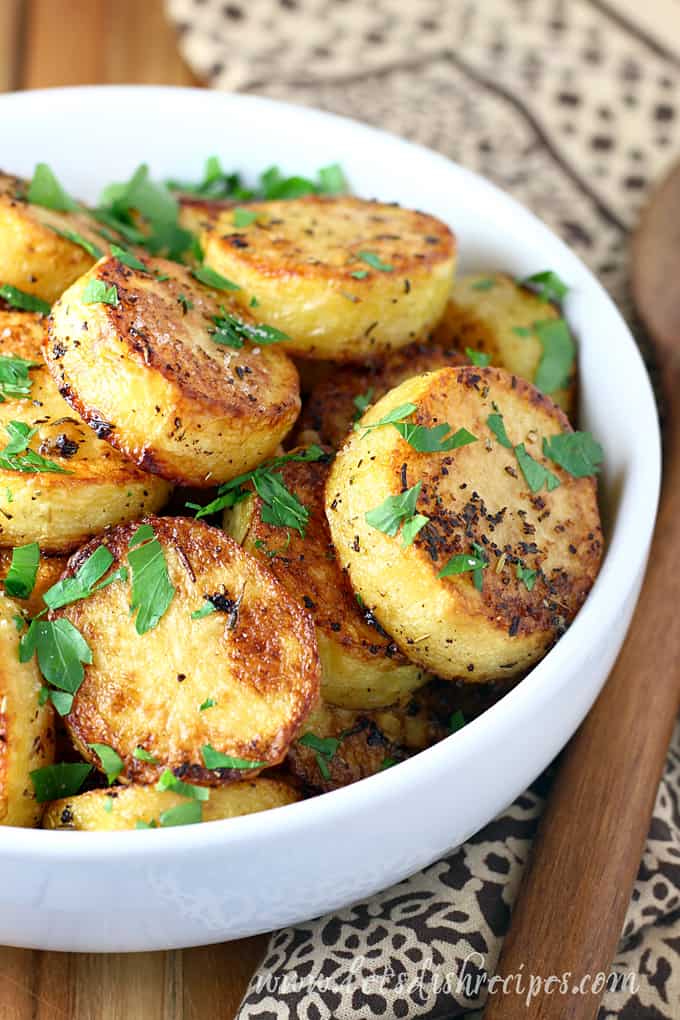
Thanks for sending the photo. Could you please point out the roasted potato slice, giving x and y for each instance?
(361, 666)
(334, 404)
(26, 726)
(342, 277)
(539, 550)
(255, 657)
(35, 256)
(494, 314)
(93, 485)
(122, 807)
(148, 375)
(50, 569)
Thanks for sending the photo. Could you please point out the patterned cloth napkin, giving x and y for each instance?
(574, 108)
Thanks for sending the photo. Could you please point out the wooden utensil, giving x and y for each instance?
(572, 903)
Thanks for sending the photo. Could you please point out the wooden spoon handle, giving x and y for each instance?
(572, 903)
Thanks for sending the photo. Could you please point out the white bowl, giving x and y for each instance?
(206, 883)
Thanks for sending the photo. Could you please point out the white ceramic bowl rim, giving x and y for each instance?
(626, 550)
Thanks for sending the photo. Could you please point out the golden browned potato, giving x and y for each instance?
(518, 556)
(149, 373)
(79, 484)
(494, 314)
(34, 254)
(26, 727)
(336, 403)
(240, 676)
(50, 569)
(122, 807)
(342, 277)
(361, 666)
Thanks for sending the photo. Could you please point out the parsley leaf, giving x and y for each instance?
(535, 474)
(208, 703)
(62, 701)
(168, 781)
(478, 358)
(157, 206)
(547, 285)
(143, 755)
(72, 589)
(497, 426)
(61, 650)
(45, 190)
(274, 185)
(281, 507)
(17, 456)
(244, 217)
(14, 378)
(23, 301)
(461, 563)
(213, 759)
(325, 749)
(332, 180)
(216, 183)
(62, 780)
(396, 511)
(557, 360)
(486, 283)
(152, 591)
(206, 609)
(457, 721)
(433, 440)
(527, 576)
(362, 402)
(98, 292)
(20, 579)
(128, 258)
(75, 238)
(397, 414)
(231, 331)
(182, 814)
(111, 762)
(359, 274)
(577, 452)
(208, 276)
(374, 261)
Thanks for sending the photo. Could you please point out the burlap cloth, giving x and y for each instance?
(573, 107)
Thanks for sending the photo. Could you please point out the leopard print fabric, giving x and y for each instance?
(574, 108)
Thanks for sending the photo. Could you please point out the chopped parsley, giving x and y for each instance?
(206, 609)
(325, 749)
(61, 651)
(535, 474)
(486, 283)
(374, 261)
(213, 759)
(62, 701)
(497, 426)
(548, 286)
(527, 576)
(98, 292)
(14, 378)
(168, 781)
(362, 402)
(244, 217)
(397, 512)
(128, 258)
(462, 563)
(457, 721)
(577, 452)
(152, 591)
(438, 439)
(20, 579)
(478, 358)
(232, 331)
(332, 180)
(557, 359)
(75, 238)
(45, 190)
(17, 456)
(216, 183)
(208, 276)
(82, 584)
(155, 204)
(23, 301)
(272, 553)
(61, 780)
(143, 755)
(110, 760)
(208, 703)
(387, 763)
(397, 414)
(182, 814)
(359, 274)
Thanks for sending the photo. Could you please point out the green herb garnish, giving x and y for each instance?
(208, 703)
(457, 721)
(75, 238)
(61, 651)
(182, 814)
(362, 402)
(128, 258)
(374, 261)
(152, 591)
(397, 414)
(45, 190)
(332, 180)
(547, 285)
(97, 292)
(111, 762)
(62, 780)
(527, 576)
(325, 749)
(438, 439)
(23, 301)
(168, 781)
(462, 563)
(486, 283)
(559, 351)
(23, 570)
(478, 358)
(14, 378)
(535, 474)
(231, 331)
(359, 274)
(397, 512)
(82, 584)
(213, 759)
(244, 217)
(143, 755)
(497, 426)
(208, 276)
(577, 452)
(17, 456)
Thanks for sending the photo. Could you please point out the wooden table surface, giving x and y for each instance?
(80, 42)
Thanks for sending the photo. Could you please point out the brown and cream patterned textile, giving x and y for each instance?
(574, 107)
